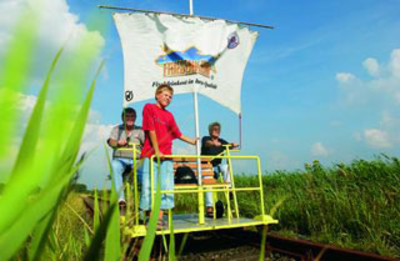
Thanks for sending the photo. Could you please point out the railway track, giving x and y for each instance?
(304, 250)
(244, 245)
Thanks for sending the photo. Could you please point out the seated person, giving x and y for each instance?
(121, 136)
(213, 145)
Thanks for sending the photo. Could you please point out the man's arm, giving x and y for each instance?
(116, 144)
(206, 142)
(114, 140)
(188, 140)
(232, 145)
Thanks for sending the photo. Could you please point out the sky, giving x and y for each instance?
(324, 84)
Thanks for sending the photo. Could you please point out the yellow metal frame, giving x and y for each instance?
(134, 151)
(262, 219)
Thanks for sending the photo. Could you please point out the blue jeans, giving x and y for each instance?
(119, 166)
(224, 170)
(167, 183)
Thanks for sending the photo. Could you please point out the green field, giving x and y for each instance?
(355, 205)
(352, 206)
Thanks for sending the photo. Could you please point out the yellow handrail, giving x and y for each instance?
(201, 189)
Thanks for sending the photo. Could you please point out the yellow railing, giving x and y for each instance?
(213, 188)
(199, 189)
(134, 151)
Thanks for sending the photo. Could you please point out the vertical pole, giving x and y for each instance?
(232, 186)
(261, 188)
(240, 131)
(191, 6)
(197, 131)
(199, 174)
(197, 134)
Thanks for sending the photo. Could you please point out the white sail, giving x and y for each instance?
(186, 52)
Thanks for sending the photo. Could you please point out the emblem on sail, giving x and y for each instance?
(189, 62)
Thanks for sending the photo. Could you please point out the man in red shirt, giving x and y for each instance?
(160, 130)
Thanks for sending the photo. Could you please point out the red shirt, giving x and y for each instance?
(163, 123)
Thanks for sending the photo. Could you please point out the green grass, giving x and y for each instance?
(355, 205)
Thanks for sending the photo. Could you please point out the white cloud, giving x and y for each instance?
(344, 77)
(372, 66)
(95, 136)
(377, 138)
(382, 88)
(8, 17)
(318, 150)
(56, 27)
(95, 168)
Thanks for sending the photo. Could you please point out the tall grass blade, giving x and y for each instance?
(28, 146)
(41, 234)
(145, 252)
(12, 79)
(87, 237)
(183, 243)
(96, 212)
(113, 240)
(72, 147)
(95, 250)
(171, 252)
(12, 239)
(26, 151)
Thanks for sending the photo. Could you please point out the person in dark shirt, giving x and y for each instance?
(214, 145)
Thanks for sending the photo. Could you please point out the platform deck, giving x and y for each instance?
(184, 223)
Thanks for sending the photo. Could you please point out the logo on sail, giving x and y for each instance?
(233, 40)
(185, 63)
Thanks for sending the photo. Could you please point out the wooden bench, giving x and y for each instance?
(207, 170)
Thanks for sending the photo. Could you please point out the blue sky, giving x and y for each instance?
(324, 84)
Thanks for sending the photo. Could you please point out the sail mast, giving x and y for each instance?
(197, 135)
(182, 15)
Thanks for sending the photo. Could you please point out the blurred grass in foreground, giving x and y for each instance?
(41, 219)
(43, 172)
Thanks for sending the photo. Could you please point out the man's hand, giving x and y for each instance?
(234, 145)
(122, 143)
(160, 155)
(189, 140)
(194, 141)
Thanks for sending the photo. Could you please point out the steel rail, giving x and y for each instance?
(304, 250)
(182, 15)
